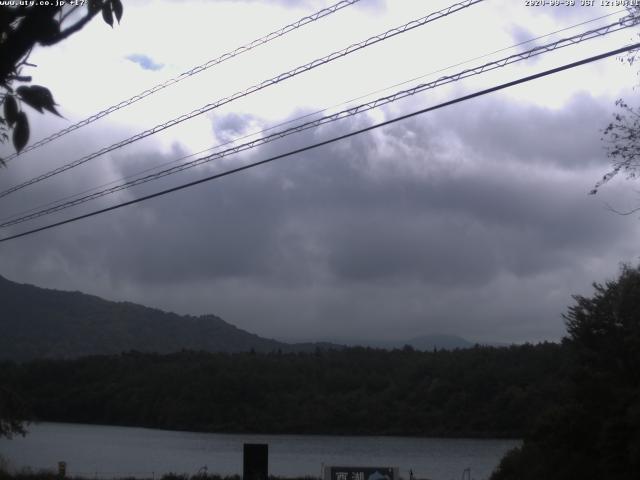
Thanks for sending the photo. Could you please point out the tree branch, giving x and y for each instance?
(76, 27)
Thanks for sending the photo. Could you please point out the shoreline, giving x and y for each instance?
(436, 436)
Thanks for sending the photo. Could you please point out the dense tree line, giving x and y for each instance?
(49, 475)
(480, 392)
(595, 432)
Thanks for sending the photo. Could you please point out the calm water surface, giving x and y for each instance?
(104, 452)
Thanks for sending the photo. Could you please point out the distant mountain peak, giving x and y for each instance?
(438, 341)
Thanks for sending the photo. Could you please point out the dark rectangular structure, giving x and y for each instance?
(256, 461)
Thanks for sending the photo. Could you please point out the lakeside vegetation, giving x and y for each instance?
(594, 432)
(477, 392)
(50, 475)
(576, 404)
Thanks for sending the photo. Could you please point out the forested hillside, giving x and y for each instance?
(43, 323)
(480, 392)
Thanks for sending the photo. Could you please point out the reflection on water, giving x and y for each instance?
(102, 451)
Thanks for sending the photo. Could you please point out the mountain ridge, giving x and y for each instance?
(425, 342)
(40, 323)
(46, 323)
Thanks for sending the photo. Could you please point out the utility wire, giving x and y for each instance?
(599, 32)
(266, 83)
(479, 93)
(193, 71)
(302, 117)
(465, 62)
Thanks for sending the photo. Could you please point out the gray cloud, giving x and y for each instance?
(232, 126)
(521, 34)
(532, 134)
(472, 221)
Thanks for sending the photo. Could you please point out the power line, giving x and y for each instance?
(483, 56)
(193, 71)
(573, 40)
(266, 83)
(59, 201)
(502, 86)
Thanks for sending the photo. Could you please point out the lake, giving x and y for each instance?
(107, 452)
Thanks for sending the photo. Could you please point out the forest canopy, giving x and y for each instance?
(478, 392)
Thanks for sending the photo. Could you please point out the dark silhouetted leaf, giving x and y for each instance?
(10, 110)
(27, 97)
(48, 29)
(94, 5)
(38, 97)
(117, 9)
(53, 110)
(21, 132)
(106, 14)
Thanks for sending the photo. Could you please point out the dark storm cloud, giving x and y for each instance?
(472, 221)
(363, 211)
(535, 135)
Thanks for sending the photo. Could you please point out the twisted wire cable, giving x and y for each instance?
(573, 40)
(193, 71)
(266, 83)
(302, 117)
(627, 48)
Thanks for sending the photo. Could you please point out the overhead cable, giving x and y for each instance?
(295, 119)
(193, 71)
(266, 83)
(502, 86)
(349, 112)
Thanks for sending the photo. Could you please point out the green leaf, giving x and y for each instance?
(38, 97)
(117, 9)
(107, 15)
(21, 132)
(10, 110)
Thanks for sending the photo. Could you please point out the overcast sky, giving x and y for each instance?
(471, 220)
